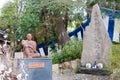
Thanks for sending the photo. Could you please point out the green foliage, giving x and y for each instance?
(24, 16)
(9, 15)
(116, 60)
(36, 17)
(72, 50)
(115, 55)
(9, 19)
(111, 4)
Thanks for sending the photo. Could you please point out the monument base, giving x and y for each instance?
(34, 68)
(94, 71)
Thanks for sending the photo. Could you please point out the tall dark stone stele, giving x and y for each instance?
(96, 41)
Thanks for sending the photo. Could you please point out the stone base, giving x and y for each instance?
(18, 55)
(94, 71)
(34, 68)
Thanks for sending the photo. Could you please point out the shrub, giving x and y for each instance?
(72, 50)
(115, 55)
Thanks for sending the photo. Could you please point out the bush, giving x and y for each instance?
(115, 55)
(72, 50)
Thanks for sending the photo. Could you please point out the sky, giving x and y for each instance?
(2, 2)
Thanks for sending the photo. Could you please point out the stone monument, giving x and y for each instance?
(96, 43)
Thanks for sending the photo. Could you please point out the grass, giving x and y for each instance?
(115, 55)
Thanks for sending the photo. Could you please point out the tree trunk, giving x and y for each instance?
(45, 31)
(66, 18)
(62, 33)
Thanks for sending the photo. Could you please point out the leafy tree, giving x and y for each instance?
(110, 4)
(10, 20)
(48, 19)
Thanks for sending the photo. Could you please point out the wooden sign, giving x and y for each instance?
(36, 65)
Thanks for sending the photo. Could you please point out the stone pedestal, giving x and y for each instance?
(34, 68)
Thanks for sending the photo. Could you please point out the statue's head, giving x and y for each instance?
(29, 36)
